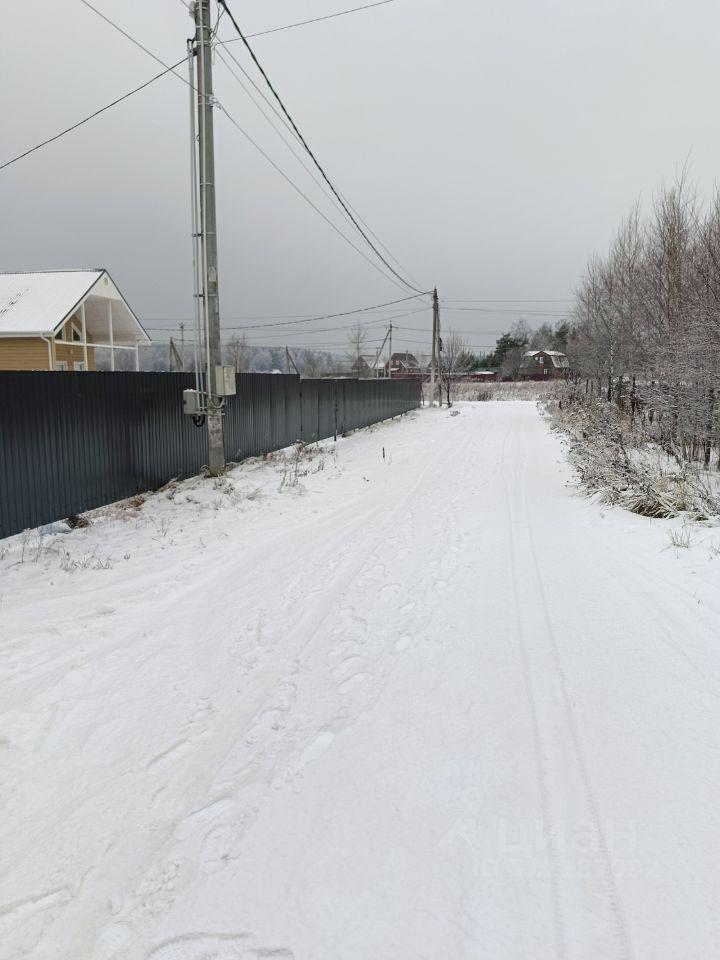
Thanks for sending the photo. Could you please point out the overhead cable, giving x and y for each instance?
(259, 149)
(310, 153)
(92, 116)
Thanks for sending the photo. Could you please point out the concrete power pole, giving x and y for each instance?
(390, 353)
(433, 355)
(208, 233)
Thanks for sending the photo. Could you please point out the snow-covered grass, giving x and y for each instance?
(523, 390)
(620, 464)
(496, 390)
(409, 695)
(166, 518)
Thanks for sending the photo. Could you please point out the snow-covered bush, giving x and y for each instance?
(619, 462)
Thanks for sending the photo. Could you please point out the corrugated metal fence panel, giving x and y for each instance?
(74, 441)
(327, 411)
(320, 407)
(309, 400)
(71, 442)
(264, 415)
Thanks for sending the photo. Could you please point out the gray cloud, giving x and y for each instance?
(492, 147)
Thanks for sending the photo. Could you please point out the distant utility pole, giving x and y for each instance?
(175, 359)
(289, 360)
(208, 233)
(182, 346)
(390, 353)
(379, 354)
(433, 355)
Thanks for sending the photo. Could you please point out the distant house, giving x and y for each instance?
(403, 365)
(544, 365)
(54, 320)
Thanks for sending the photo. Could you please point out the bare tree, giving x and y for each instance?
(312, 364)
(356, 343)
(646, 324)
(455, 360)
(237, 351)
(512, 347)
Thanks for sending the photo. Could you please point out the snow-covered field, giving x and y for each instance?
(424, 701)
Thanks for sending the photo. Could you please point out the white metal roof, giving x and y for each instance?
(38, 304)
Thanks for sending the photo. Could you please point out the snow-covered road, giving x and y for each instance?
(426, 702)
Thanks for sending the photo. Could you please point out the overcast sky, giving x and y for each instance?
(491, 146)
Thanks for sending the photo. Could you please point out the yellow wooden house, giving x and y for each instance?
(55, 320)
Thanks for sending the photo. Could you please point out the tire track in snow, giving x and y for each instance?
(541, 771)
(620, 927)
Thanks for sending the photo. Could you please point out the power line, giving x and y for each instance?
(345, 207)
(133, 40)
(269, 119)
(509, 300)
(171, 69)
(467, 333)
(305, 318)
(329, 16)
(303, 23)
(513, 313)
(289, 128)
(247, 136)
(305, 197)
(319, 346)
(327, 316)
(310, 153)
(92, 116)
(284, 333)
(345, 328)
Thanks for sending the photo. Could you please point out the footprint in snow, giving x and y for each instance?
(347, 685)
(220, 946)
(316, 748)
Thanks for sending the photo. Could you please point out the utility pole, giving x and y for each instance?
(433, 355)
(175, 358)
(379, 354)
(289, 360)
(390, 353)
(208, 234)
(182, 347)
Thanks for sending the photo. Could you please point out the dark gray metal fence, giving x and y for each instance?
(75, 441)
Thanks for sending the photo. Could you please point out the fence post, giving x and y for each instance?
(302, 426)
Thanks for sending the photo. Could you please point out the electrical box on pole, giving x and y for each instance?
(225, 381)
(192, 403)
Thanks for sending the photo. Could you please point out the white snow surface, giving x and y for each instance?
(432, 704)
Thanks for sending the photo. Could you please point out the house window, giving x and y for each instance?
(76, 333)
(79, 365)
(61, 365)
(545, 371)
